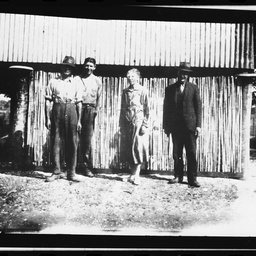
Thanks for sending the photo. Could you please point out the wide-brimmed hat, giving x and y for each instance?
(185, 66)
(69, 61)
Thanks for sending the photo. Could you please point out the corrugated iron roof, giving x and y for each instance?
(47, 39)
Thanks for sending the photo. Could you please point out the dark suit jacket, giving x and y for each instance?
(191, 108)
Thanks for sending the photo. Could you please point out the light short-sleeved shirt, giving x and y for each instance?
(61, 90)
(92, 90)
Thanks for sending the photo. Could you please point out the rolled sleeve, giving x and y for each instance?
(79, 89)
(48, 91)
(99, 93)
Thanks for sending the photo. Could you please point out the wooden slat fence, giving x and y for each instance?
(219, 148)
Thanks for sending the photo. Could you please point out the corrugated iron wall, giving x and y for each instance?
(45, 39)
(219, 148)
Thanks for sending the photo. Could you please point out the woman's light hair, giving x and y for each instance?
(134, 70)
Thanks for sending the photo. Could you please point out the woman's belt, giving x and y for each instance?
(89, 105)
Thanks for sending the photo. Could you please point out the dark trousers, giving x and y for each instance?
(88, 122)
(184, 138)
(64, 120)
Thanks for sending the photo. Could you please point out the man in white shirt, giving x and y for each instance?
(91, 101)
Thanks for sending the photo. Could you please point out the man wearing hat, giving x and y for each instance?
(182, 118)
(64, 119)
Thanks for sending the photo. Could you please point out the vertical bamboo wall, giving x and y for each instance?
(219, 148)
(221, 141)
(38, 139)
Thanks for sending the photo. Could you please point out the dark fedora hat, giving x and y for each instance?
(185, 66)
(68, 61)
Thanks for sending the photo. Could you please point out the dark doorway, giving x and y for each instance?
(5, 104)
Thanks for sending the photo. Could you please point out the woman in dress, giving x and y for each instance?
(134, 124)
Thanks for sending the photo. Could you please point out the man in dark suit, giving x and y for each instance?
(182, 118)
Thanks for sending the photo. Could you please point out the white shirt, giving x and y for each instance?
(68, 89)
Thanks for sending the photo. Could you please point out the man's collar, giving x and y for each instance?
(67, 78)
(179, 83)
(86, 75)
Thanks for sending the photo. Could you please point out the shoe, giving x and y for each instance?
(73, 178)
(136, 181)
(125, 179)
(194, 184)
(63, 175)
(175, 180)
(88, 173)
(131, 179)
(53, 177)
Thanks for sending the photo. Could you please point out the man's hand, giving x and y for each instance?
(95, 113)
(48, 123)
(143, 130)
(167, 132)
(198, 132)
(79, 127)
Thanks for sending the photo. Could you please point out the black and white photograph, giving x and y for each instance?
(132, 125)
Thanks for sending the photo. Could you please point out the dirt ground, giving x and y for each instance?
(106, 204)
